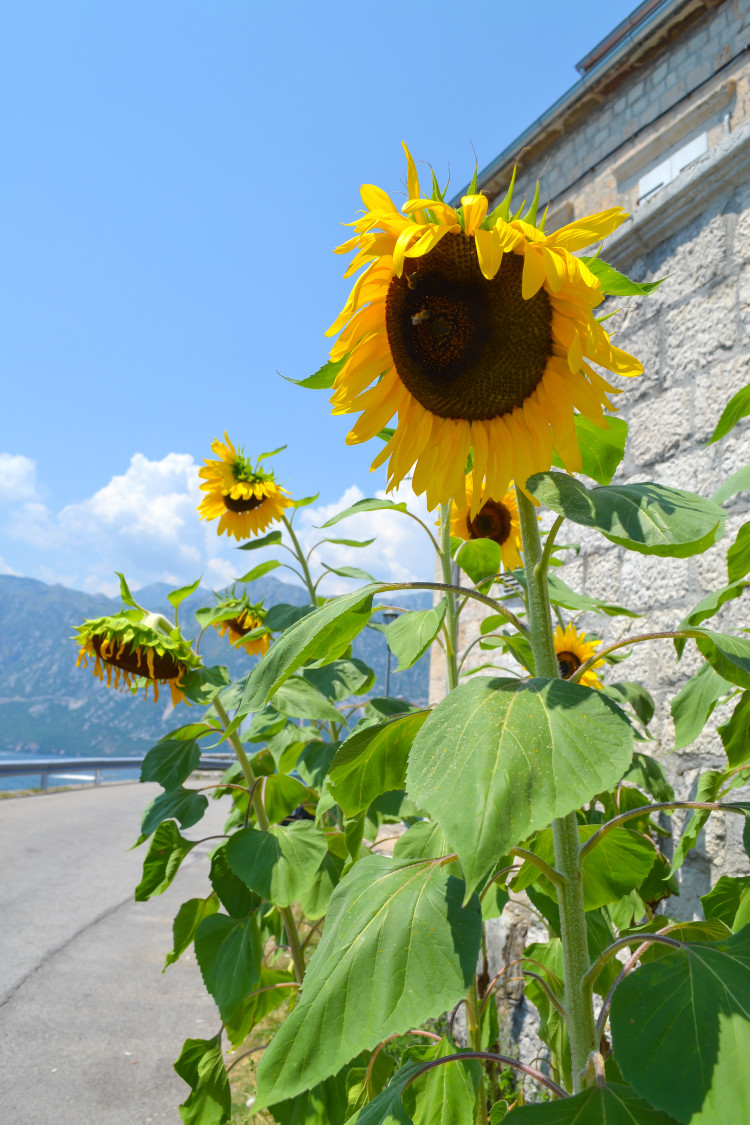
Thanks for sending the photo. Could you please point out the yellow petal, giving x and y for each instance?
(475, 211)
(403, 242)
(412, 179)
(533, 272)
(489, 252)
(375, 199)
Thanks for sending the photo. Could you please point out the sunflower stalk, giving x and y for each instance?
(300, 556)
(295, 946)
(568, 862)
(451, 617)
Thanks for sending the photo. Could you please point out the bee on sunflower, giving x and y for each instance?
(572, 650)
(245, 497)
(495, 519)
(132, 645)
(243, 624)
(477, 331)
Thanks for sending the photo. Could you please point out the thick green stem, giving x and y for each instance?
(450, 628)
(300, 554)
(564, 830)
(295, 946)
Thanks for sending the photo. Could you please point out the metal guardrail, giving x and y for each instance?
(18, 767)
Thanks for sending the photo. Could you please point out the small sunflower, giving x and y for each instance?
(131, 649)
(245, 497)
(572, 651)
(495, 519)
(475, 330)
(243, 623)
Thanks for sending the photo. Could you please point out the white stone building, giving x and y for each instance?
(659, 122)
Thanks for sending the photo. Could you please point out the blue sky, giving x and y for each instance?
(175, 177)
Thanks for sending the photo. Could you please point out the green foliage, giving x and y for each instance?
(729, 901)
(165, 854)
(445, 1095)
(471, 754)
(183, 805)
(649, 518)
(608, 1104)
(737, 408)
(480, 559)
(411, 634)
(735, 733)
(174, 758)
(601, 450)
(616, 284)
(689, 1057)
(201, 1065)
(398, 948)
(228, 951)
(186, 923)
(695, 702)
(372, 761)
(279, 864)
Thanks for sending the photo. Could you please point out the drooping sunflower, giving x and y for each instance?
(131, 649)
(245, 497)
(243, 623)
(572, 651)
(475, 330)
(495, 519)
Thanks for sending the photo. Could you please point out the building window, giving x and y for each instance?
(670, 168)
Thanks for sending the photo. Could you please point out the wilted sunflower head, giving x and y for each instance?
(244, 497)
(476, 330)
(495, 519)
(133, 649)
(243, 623)
(573, 650)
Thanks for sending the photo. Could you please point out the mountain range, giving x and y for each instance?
(49, 706)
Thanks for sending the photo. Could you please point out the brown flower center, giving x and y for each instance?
(244, 504)
(242, 625)
(466, 347)
(568, 663)
(492, 521)
(166, 667)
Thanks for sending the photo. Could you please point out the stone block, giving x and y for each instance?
(743, 293)
(697, 331)
(603, 575)
(694, 471)
(659, 425)
(690, 259)
(647, 582)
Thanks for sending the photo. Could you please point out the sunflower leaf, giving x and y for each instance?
(735, 733)
(271, 540)
(470, 755)
(185, 924)
(350, 572)
(229, 953)
(303, 503)
(201, 1065)
(695, 702)
(183, 805)
(601, 450)
(165, 854)
(616, 284)
(738, 555)
(708, 607)
(609, 1104)
(396, 950)
(125, 594)
(411, 634)
(351, 542)
(737, 408)
(737, 482)
(649, 518)
(729, 655)
(259, 570)
(368, 505)
(322, 379)
(480, 559)
(689, 1057)
(372, 761)
(279, 864)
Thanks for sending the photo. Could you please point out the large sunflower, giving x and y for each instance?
(244, 496)
(243, 623)
(475, 330)
(495, 519)
(573, 650)
(132, 649)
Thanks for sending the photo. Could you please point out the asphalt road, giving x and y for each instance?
(89, 1026)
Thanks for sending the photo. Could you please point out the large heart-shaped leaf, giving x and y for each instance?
(445, 1095)
(681, 1031)
(498, 760)
(279, 864)
(229, 955)
(649, 518)
(373, 761)
(165, 854)
(411, 634)
(601, 450)
(397, 949)
(609, 1104)
(201, 1065)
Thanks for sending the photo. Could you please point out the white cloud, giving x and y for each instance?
(144, 523)
(17, 478)
(5, 569)
(402, 551)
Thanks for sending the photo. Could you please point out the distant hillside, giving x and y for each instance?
(48, 706)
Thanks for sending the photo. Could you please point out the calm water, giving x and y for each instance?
(33, 779)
